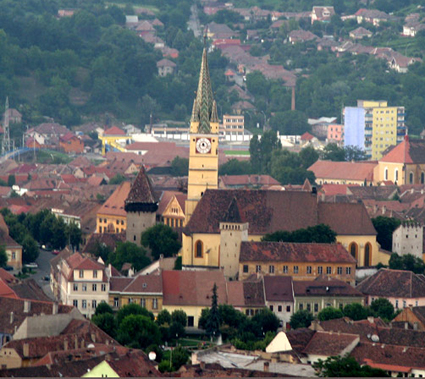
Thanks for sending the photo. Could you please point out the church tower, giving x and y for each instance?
(141, 207)
(204, 130)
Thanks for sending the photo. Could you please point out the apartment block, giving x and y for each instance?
(233, 126)
(373, 126)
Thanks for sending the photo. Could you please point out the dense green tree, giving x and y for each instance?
(407, 262)
(301, 319)
(180, 166)
(333, 152)
(356, 311)
(308, 156)
(59, 237)
(3, 256)
(329, 313)
(30, 250)
(161, 240)
(345, 367)
(163, 318)
(132, 309)
(290, 123)
(320, 234)
(101, 250)
(74, 235)
(385, 227)
(212, 326)
(383, 308)
(179, 317)
(102, 308)
(266, 321)
(106, 322)
(117, 179)
(261, 151)
(138, 331)
(235, 167)
(128, 252)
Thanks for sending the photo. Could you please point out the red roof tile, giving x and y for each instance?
(330, 344)
(114, 131)
(409, 151)
(343, 170)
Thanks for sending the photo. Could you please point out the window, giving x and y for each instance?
(130, 300)
(143, 303)
(308, 269)
(309, 307)
(396, 174)
(198, 249)
(396, 304)
(367, 254)
(190, 321)
(271, 308)
(422, 178)
(84, 287)
(301, 306)
(84, 304)
(279, 308)
(94, 304)
(411, 178)
(245, 268)
(348, 270)
(328, 270)
(81, 273)
(271, 269)
(75, 287)
(116, 302)
(320, 270)
(75, 303)
(339, 270)
(94, 273)
(94, 287)
(258, 268)
(316, 307)
(288, 308)
(386, 173)
(404, 303)
(154, 303)
(295, 269)
(103, 288)
(13, 255)
(285, 269)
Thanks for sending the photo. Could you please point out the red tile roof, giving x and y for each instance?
(330, 344)
(343, 170)
(324, 287)
(115, 203)
(307, 137)
(410, 151)
(278, 288)
(179, 288)
(294, 252)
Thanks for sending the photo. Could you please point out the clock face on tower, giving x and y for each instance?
(203, 145)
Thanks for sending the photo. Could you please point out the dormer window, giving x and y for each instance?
(81, 273)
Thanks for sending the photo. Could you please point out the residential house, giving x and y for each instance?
(70, 143)
(336, 134)
(296, 36)
(302, 261)
(411, 318)
(219, 31)
(112, 217)
(145, 290)
(83, 283)
(246, 296)
(360, 33)
(400, 63)
(322, 14)
(13, 249)
(408, 238)
(165, 67)
(372, 16)
(316, 295)
(328, 172)
(279, 297)
(180, 293)
(412, 28)
(171, 209)
(402, 288)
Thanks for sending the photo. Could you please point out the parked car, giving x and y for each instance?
(8, 268)
(31, 265)
(55, 252)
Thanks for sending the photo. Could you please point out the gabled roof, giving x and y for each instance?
(179, 288)
(410, 151)
(278, 288)
(359, 171)
(330, 344)
(293, 252)
(145, 284)
(114, 131)
(324, 287)
(393, 283)
(115, 203)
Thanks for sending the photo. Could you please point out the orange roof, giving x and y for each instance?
(6, 291)
(114, 131)
(408, 151)
(387, 367)
(343, 170)
(307, 137)
(115, 203)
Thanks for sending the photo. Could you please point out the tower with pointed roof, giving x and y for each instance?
(141, 206)
(204, 130)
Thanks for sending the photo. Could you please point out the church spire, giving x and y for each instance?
(203, 105)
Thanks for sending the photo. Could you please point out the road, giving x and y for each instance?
(42, 271)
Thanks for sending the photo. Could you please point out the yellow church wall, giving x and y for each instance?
(395, 172)
(360, 244)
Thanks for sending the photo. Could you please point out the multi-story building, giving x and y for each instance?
(336, 134)
(232, 126)
(408, 238)
(83, 283)
(373, 126)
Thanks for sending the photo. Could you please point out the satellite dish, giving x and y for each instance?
(90, 346)
(375, 338)
(152, 355)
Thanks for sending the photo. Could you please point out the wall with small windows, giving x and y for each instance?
(408, 239)
(314, 304)
(152, 303)
(300, 270)
(110, 224)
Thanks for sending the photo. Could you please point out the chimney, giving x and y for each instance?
(11, 317)
(27, 306)
(293, 99)
(26, 350)
(55, 308)
(266, 366)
